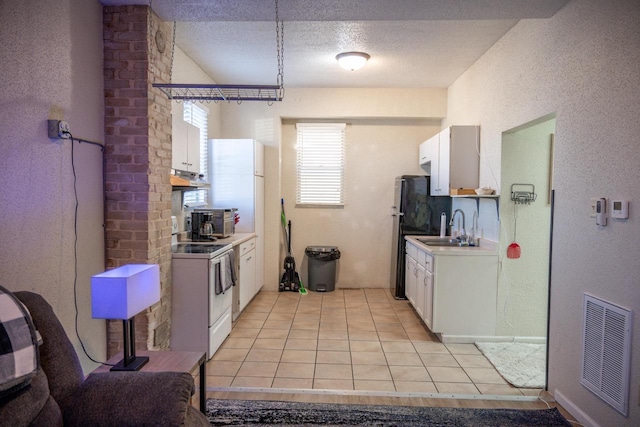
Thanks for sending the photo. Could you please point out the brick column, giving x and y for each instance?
(138, 159)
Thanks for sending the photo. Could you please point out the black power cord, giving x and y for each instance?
(75, 249)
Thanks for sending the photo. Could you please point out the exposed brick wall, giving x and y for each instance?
(138, 159)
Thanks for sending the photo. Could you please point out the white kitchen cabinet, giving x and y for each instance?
(454, 291)
(247, 273)
(185, 143)
(410, 279)
(464, 295)
(451, 158)
(425, 261)
(423, 152)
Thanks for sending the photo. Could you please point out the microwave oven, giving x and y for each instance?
(223, 221)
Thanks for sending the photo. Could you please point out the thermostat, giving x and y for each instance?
(620, 209)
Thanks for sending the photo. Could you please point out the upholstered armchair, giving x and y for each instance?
(58, 394)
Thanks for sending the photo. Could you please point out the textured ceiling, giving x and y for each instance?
(412, 43)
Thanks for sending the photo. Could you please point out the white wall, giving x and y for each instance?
(376, 152)
(51, 63)
(389, 112)
(583, 64)
(523, 283)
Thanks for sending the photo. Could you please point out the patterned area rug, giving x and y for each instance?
(264, 413)
(521, 364)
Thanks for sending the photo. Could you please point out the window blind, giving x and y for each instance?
(198, 116)
(320, 164)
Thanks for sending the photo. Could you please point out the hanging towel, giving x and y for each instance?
(227, 274)
(220, 279)
(231, 271)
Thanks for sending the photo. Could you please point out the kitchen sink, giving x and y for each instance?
(440, 242)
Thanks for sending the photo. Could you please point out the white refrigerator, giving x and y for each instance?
(238, 182)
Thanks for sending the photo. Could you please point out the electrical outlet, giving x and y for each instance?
(593, 203)
(64, 131)
(58, 129)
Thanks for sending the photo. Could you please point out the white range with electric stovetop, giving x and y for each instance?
(201, 295)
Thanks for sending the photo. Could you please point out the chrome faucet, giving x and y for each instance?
(464, 225)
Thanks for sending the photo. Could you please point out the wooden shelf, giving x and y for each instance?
(477, 196)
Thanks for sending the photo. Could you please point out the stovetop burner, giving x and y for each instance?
(187, 248)
(206, 249)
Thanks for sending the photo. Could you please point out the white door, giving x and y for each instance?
(193, 148)
(247, 272)
(410, 279)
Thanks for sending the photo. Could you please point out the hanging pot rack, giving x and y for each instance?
(215, 93)
(188, 92)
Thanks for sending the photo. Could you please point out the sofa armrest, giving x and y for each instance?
(131, 398)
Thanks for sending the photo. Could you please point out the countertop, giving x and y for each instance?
(487, 247)
(235, 240)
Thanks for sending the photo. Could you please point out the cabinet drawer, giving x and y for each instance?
(427, 262)
(247, 246)
(411, 250)
(422, 255)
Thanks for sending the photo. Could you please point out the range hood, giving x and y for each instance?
(185, 180)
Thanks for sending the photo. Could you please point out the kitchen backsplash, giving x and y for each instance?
(488, 224)
(177, 208)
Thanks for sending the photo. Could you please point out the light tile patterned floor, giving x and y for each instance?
(352, 339)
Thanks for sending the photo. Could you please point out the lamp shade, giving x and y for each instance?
(125, 291)
(352, 60)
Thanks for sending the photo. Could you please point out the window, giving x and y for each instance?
(198, 116)
(320, 164)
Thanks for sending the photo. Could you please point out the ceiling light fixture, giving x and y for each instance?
(352, 60)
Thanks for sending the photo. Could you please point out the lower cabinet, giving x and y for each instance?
(454, 293)
(247, 273)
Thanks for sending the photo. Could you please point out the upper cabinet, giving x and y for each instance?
(185, 144)
(451, 158)
(423, 153)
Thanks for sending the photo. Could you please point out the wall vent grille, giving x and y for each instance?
(606, 351)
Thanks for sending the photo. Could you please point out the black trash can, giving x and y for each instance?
(322, 267)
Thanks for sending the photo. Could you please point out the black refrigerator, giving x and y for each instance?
(414, 212)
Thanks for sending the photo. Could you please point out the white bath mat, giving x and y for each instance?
(521, 364)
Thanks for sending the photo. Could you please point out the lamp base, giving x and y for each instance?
(134, 364)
